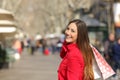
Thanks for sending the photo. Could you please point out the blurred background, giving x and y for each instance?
(35, 27)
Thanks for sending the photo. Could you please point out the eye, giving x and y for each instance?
(72, 30)
(67, 28)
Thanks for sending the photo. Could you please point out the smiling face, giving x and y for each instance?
(71, 33)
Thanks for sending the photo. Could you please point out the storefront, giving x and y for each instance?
(98, 31)
(7, 30)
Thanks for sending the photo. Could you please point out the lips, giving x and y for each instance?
(68, 38)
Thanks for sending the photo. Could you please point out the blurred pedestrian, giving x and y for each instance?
(108, 49)
(32, 45)
(44, 45)
(116, 54)
(17, 46)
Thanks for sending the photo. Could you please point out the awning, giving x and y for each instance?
(7, 22)
(92, 22)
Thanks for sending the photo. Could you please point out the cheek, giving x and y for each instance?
(75, 36)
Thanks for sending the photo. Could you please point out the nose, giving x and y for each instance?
(67, 32)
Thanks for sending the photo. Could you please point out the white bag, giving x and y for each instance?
(104, 67)
(96, 70)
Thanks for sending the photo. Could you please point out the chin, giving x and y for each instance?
(67, 41)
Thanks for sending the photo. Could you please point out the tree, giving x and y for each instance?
(44, 16)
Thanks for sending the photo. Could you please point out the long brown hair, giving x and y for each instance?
(84, 45)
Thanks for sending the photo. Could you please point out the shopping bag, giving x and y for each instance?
(105, 68)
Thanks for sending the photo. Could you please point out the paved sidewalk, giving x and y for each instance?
(36, 67)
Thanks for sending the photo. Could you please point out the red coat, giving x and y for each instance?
(72, 64)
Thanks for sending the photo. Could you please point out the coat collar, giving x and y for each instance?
(65, 48)
(69, 46)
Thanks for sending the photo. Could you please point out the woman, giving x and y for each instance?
(76, 53)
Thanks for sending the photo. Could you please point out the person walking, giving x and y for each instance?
(116, 55)
(79, 58)
(108, 49)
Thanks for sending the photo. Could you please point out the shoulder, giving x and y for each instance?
(75, 53)
(106, 42)
(75, 56)
(115, 44)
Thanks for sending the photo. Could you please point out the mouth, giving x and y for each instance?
(68, 37)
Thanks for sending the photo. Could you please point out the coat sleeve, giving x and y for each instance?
(75, 69)
(63, 51)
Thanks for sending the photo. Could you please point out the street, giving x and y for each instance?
(32, 67)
